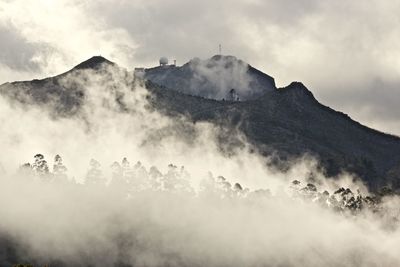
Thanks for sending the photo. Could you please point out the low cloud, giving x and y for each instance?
(208, 221)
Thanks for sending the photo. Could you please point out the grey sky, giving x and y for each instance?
(346, 52)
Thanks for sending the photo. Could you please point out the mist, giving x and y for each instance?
(182, 206)
(224, 74)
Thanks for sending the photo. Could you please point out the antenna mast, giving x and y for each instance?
(220, 49)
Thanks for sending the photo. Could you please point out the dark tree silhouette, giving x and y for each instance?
(40, 167)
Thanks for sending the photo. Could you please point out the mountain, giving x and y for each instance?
(284, 122)
(63, 92)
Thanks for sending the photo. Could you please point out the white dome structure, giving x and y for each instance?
(163, 61)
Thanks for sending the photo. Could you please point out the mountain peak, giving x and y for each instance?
(94, 63)
(298, 89)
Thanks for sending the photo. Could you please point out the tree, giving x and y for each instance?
(155, 177)
(171, 178)
(117, 179)
(125, 163)
(127, 172)
(237, 187)
(40, 167)
(59, 169)
(224, 186)
(94, 175)
(25, 171)
(182, 182)
(140, 179)
(309, 191)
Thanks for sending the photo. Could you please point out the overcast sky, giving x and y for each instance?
(346, 52)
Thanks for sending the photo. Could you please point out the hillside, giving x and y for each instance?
(286, 122)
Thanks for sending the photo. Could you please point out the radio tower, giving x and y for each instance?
(220, 49)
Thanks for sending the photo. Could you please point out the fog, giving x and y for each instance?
(224, 74)
(174, 217)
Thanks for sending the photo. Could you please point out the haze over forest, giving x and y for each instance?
(281, 149)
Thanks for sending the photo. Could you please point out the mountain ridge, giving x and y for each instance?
(288, 122)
